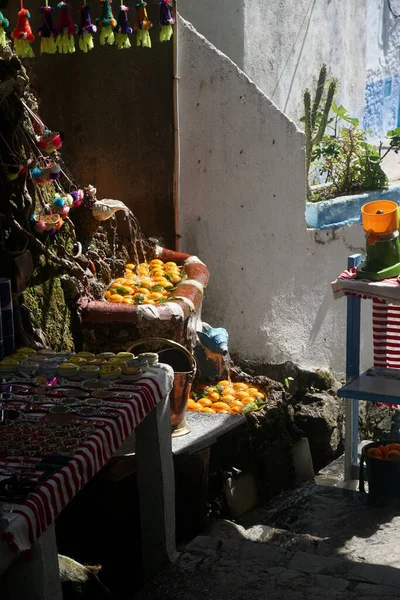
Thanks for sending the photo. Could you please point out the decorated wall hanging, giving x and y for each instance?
(66, 30)
(167, 20)
(22, 34)
(4, 23)
(46, 31)
(123, 30)
(86, 29)
(106, 24)
(50, 141)
(142, 26)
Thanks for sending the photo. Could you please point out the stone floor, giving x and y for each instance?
(319, 542)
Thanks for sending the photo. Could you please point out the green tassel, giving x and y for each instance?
(166, 33)
(86, 42)
(122, 41)
(48, 45)
(65, 43)
(143, 38)
(23, 49)
(106, 35)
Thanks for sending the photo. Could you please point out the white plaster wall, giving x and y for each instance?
(242, 210)
(281, 45)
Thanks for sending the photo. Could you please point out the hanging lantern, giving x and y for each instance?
(166, 20)
(122, 30)
(142, 26)
(66, 30)
(106, 24)
(4, 23)
(47, 32)
(22, 34)
(86, 29)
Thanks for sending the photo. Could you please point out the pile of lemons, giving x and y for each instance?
(145, 283)
(226, 398)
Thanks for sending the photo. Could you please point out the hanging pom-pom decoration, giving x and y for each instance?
(50, 141)
(66, 30)
(86, 29)
(166, 21)
(47, 32)
(106, 24)
(122, 30)
(4, 23)
(142, 26)
(22, 34)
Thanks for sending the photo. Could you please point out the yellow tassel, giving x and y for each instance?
(86, 42)
(48, 45)
(3, 39)
(143, 38)
(107, 36)
(122, 41)
(23, 49)
(65, 43)
(166, 33)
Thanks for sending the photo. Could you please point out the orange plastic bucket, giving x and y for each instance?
(374, 223)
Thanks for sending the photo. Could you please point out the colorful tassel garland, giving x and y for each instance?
(4, 23)
(166, 20)
(122, 30)
(22, 34)
(86, 29)
(106, 24)
(66, 30)
(142, 26)
(46, 32)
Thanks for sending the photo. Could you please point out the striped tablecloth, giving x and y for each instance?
(27, 521)
(385, 296)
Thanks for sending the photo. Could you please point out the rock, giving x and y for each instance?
(321, 418)
(311, 563)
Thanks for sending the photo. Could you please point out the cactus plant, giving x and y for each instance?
(316, 117)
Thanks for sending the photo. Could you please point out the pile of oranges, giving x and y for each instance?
(226, 398)
(387, 452)
(146, 283)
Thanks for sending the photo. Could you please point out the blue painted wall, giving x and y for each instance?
(382, 101)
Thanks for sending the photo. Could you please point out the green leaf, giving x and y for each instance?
(249, 408)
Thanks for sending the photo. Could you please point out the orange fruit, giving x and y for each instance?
(127, 300)
(205, 402)
(252, 390)
(156, 261)
(247, 400)
(130, 266)
(213, 395)
(115, 298)
(156, 296)
(393, 455)
(240, 386)
(144, 291)
(220, 406)
(170, 264)
(224, 383)
(107, 294)
(237, 403)
(228, 398)
(190, 403)
(176, 279)
(197, 407)
(222, 412)
(119, 280)
(206, 409)
(235, 410)
(241, 394)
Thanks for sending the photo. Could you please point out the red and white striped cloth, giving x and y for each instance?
(27, 521)
(385, 296)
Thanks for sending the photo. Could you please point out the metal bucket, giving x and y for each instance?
(184, 366)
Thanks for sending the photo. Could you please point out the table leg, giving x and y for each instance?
(156, 485)
(36, 578)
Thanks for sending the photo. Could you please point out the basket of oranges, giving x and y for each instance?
(226, 397)
(382, 460)
(146, 283)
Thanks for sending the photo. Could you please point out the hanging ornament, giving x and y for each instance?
(106, 24)
(4, 23)
(22, 34)
(66, 30)
(166, 20)
(77, 198)
(142, 26)
(122, 30)
(45, 174)
(86, 29)
(50, 141)
(47, 32)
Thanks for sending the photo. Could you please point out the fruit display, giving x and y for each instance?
(226, 397)
(146, 283)
(387, 452)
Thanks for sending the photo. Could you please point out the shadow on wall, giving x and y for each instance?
(116, 109)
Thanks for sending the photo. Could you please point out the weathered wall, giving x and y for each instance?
(382, 92)
(242, 210)
(286, 42)
(116, 110)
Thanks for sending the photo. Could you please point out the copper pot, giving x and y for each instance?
(184, 365)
